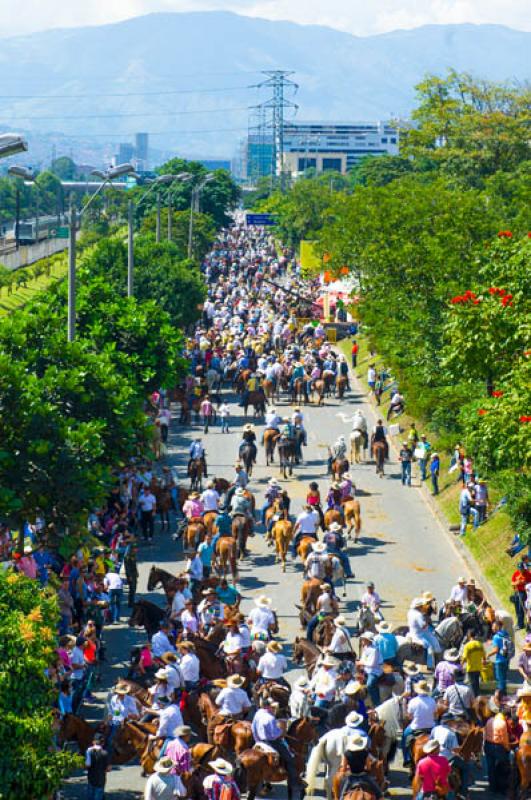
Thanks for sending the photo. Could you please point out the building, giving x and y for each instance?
(126, 152)
(142, 150)
(321, 146)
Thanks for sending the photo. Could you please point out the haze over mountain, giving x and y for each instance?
(158, 72)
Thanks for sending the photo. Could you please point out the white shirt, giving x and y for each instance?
(324, 603)
(164, 787)
(421, 709)
(160, 644)
(371, 375)
(224, 411)
(190, 667)
(177, 604)
(373, 601)
(272, 665)
(308, 521)
(232, 701)
(175, 677)
(170, 718)
(122, 707)
(113, 581)
(261, 619)
(459, 698)
(147, 501)
(323, 684)
(340, 642)
(416, 622)
(299, 704)
(459, 594)
(210, 499)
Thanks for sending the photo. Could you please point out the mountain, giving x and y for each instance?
(158, 72)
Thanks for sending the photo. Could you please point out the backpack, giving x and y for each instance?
(507, 649)
(228, 791)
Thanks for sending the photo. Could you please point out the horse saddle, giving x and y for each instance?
(272, 755)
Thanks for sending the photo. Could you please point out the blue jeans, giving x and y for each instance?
(224, 424)
(435, 483)
(501, 668)
(406, 472)
(372, 688)
(422, 467)
(95, 792)
(263, 510)
(115, 598)
(464, 520)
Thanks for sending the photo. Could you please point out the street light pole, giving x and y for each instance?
(130, 249)
(170, 220)
(196, 194)
(157, 231)
(17, 216)
(71, 327)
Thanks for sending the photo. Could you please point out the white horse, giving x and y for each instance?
(389, 713)
(329, 750)
(356, 446)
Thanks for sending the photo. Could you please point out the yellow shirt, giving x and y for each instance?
(473, 655)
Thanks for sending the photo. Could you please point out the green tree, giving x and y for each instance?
(30, 766)
(64, 168)
(380, 170)
(204, 231)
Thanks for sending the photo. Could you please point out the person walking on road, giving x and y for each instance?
(405, 457)
(97, 764)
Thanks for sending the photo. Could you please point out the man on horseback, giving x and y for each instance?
(272, 666)
(420, 633)
(233, 701)
(197, 452)
(266, 729)
(338, 451)
(248, 441)
(306, 524)
(356, 753)
(335, 542)
(262, 619)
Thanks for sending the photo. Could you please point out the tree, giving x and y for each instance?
(380, 170)
(64, 168)
(204, 232)
(30, 766)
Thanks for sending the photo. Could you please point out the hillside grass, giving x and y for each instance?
(489, 542)
(21, 295)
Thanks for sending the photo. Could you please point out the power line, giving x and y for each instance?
(279, 81)
(122, 94)
(139, 114)
(184, 132)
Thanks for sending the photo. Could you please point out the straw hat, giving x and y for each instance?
(330, 661)
(273, 482)
(274, 647)
(422, 687)
(161, 675)
(418, 602)
(431, 746)
(221, 766)
(461, 579)
(164, 766)
(368, 636)
(248, 427)
(452, 654)
(183, 730)
(356, 744)
(353, 720)
(302, 683)
(263, 601)
(335, 526)
(410, 668)
(318, 547)
(384, 627)
(340, 620)
(186, 646)
(352, 688)
(194, 495)
(428, 596)
(168, 658)
(122, 688)
(235, 681)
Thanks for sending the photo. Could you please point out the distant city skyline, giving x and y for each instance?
(355, 16)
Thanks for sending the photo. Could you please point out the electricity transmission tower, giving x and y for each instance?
(278, 81)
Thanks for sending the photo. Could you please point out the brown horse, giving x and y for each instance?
(310, 592)
(263, 767)
(304, 547)
(352, 512)
(523, 763)
(194, 533)
(212, 666)
(270, 442)
(241, 530)
(258, 401)
(373, 767)
(319, 391)
(333, 515)
(159, 577)
(195, 473)
(209, 518)
(339, 467)
(299, 392)
(269, 388)
(283, 534)
(341, 385)
(226, 552)
(228, 734)
(75, 729)
(324, 632)
(378, 452)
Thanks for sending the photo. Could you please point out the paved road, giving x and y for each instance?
(402, 548)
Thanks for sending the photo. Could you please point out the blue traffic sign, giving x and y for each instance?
(260, 219)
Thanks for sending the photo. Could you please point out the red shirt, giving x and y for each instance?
(520, 578)
(433, 768)
(354, 349)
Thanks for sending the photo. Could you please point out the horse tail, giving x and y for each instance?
(314, 762)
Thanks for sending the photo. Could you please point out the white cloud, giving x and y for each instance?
(356, 16)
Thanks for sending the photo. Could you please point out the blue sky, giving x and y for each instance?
(356, 16)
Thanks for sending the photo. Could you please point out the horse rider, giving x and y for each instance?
(209, 610)
(359, 423)
(197, 451)
(449, 745)
(379, 435)
(421, 717)
(266, 729)
(272, 666)
(241, 505)
(120, 708)
(335, 542)
(337, 451)
(351, 699)
(316, 565)
(190, 666)
(223, 524)
(299, 700)
(233, 701)
(340, 646)
(372, 600)
(169, 721)
(261, 619)
(348, 490)
(343, 369)
(306, 525)
(325, 606)
(272, 422)
(334, 497)
(355, 758)
(210, 498)
(272, 492)
(386, 642)
(248, 439)
(193, 508)
(420, 633)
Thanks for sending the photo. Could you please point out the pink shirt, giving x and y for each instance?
(193, 508)
(431, 769)
(28, 566)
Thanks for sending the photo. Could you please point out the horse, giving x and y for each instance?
(262, 767)
(212, 666)
(306, 652)
(241, 528)
(352, 513)
(330, 749)
(339, 467)
(195, 473)
(341, 385)
(324, 632)
(270, 442)
(148, 615)
(194, 533)
(364, 620)
(523, 764)
(304, 547)
(356, 446)
(282, 534)
(226, 548)
(159, 577)
(268, 386)
(286, 454)
(310, 592)
(227, 734)
(299, 392)
(258, 401)
(76, 729)
(319, 391)
(373, 767)
(378, 452)
(277, 692)
(247, 456)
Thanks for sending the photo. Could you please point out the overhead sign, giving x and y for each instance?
(260, 219)
(60, 233)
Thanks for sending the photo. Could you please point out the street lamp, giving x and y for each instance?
(196, 195)
(11, 144)
(105, 177)
(26, 175)
(183, 177)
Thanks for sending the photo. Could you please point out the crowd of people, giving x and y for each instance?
(205, 664)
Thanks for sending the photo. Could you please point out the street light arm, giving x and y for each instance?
(93, 196)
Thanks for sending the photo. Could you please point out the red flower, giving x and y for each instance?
(505, 235)
(507, 300)
(482, 412)
(497, 393)
(525, 419)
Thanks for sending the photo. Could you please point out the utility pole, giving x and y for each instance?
(17, 217)
(170, 220)
(130, 249)
(71, 332)
(278, 81)
(157, 232)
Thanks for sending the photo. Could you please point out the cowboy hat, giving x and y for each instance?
(368, 636)
(325, 586)
(410, 668)
(193, 495)
(335, 526)
(206, 592)
(121, 688)
(418, 602)
(422, 687)
(452, 654)
(248, 427)
(274, 647)
(235, 681)
(161, 675)
(221, 766)
(340, 620)
(168, 658)
(384, 627)
(461, 579)
(183, 730)
(185, 646)
(263, 601)
(330, 661)
(352, 688)
(431, 746)
(302, 682)
(239, 491)
(525, 691)
(356, 743)
(164, 766)
(318, 547)
(273, 482)
(347, 476)
(428, 596)
(353, 720)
